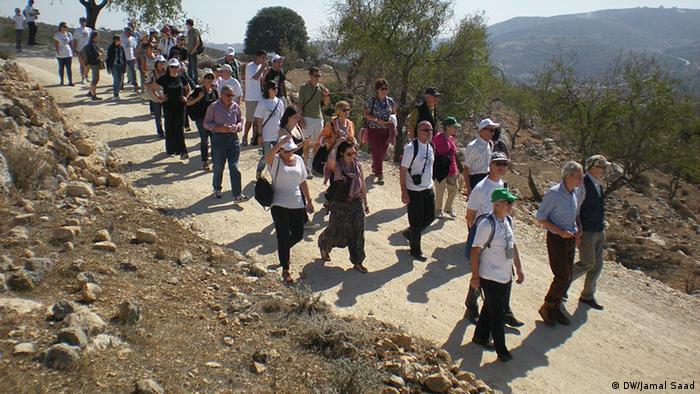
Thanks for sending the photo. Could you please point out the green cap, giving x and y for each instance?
(451, 121)
(503, 194)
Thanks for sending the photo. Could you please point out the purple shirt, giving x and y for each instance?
(218, 115)
(446, 147)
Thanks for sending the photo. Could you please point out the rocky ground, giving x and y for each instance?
(100, 292)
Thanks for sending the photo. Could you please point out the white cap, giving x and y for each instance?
(290, 146)
(227, 67)
(161, 58)
(488, 123)
(230, 51)
(152, 30)
(275, 57)
(173, 63)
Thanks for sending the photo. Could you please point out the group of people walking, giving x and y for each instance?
(295, 142)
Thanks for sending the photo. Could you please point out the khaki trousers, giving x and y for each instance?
(449, 183)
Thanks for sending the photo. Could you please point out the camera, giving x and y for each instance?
(417, 179)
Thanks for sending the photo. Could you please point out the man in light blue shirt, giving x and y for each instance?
(558, 214)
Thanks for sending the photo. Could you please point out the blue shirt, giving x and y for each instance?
(560, 208)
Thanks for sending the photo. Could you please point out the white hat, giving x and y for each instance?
(152, 30)
(173, 63)
(488, 123)
(230, 51)
(275, 57)
(161, 58)
(290, 146)
(227, 67)
(206, 71)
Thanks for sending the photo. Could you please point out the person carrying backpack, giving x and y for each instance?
(416, 178)
(493, 252)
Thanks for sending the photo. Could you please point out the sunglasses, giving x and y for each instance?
(228, 95)
(501, 164)
(345, 110)
(350, 154)
(425, 129)
(209, 77)
(316, 75)
(174, 66)
(384, 88)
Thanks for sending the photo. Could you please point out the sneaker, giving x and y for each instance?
(217, 194)
(95, 98)
(380, 180)
(205, 166)
(451, 215)
(505, 357)
(184, 156)
(241, 198)
(438, 214)
(309, 176)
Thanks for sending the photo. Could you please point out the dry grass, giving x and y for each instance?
(308, 303)
(29, 167)
(355, 377)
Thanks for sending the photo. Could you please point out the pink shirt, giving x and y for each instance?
(445, 145)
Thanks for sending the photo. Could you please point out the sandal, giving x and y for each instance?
(360, 268)
(325, 256)
(287, 278)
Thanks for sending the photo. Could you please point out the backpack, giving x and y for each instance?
(200, 48)
(472, 233)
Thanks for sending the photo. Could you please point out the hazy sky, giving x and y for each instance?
(227, 19)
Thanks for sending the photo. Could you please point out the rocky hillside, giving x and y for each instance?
(99, 292)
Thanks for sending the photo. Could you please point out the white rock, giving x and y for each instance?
(18, 305)
(24, 348)
(79, 189)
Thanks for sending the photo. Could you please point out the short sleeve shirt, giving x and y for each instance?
(560, 207)
(253, 91)
(129, 46)
(493, 264)
(19, 22)
(477, 156)
(233, 82)
(424, 159)
(279, 77)
(82, 35)
(310, 97)
(64, 40)
(379, 108)
(270, 111)
(286, 179)
(174, 87)
(480, 197)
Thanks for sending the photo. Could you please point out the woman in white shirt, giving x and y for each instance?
(493, 254)
(63, 41)
(291, 200)
(268, 114)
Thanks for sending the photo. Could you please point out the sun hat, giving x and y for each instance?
(173, 63)
(488, 123)
(290, 146)
(597, 161)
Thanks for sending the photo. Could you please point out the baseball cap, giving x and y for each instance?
(597, 161)
(207, 71)
(161, 58)
(173, 63)
(499, 156)
(276, 57)
(152, 30)
(127, 30)
(503, 194)
(227, 67)
(230, 51)
(488, 123)
(451, 121)
(432, 92)
(290, 146)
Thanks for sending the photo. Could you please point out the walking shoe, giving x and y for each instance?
(438, 215)
(380, 180)
(451, 214)
(419, 256)
(511, 321)
(241, 198)
(561, 317)
(592, 303)
(217, 194)
(205, 166)
(406, 234)
(546, 314)
(95, 98)
(485, 343)
(505, 357)
(184, 156)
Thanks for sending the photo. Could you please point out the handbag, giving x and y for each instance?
(264, 190)
(320, 159)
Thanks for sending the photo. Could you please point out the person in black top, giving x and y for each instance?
(289, 125)
(498, 144)
(116, 64)
(91, 53)
(180, 49)
(175, 92)
(278, 75)
(198, 102)
(427, 111)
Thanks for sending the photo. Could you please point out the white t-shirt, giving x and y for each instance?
(64, 40)
(82, 35)
(232, 82)
(253, 91)
(493, 264)
(425, 152)
(477, 156)
(287, 193)
(129, 44)
(480, 197)
(30, 13)
(271, 108)
(165, 44)
(19, 22)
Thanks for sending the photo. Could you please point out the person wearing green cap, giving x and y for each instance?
(493, 254)
(445, 171)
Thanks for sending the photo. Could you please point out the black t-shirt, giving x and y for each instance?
(174, 88)
(198, 110)
(181, 51)
(279, 77)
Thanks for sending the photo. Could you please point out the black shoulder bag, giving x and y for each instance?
(264, 190)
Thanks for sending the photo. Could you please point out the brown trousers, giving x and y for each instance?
(561, 254)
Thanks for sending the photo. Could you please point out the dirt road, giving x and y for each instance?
(647, 332)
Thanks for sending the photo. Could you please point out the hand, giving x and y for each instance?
(405, 198)
(238, 128)
(260, 140)
(229, 128)
(310, 207)
(578, 239)
(183, 99)
(201, 95)
(325, 91)
(520, 276)
(366, 208)
(474, 282)
(566, 234)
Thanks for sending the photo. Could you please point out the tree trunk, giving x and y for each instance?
(92, 11)
(536, 195)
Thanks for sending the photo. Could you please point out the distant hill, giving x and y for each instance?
(238, 47)
(521, 46)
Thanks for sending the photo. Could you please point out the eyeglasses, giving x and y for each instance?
(425, 129)
(209, 77)
(345, 110)
(383, 88)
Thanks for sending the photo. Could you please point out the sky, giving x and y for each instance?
(227, 19)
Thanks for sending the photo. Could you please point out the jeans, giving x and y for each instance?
(591, 264)
(449, 183)
(117, 77)
(192, 69)
(157, 109)
(378, 144)
(131, 70)
(64, 63)
(204, 136)
(561, 254)
(421, 212)
(32, 33)
(266, 147)
(225, 147)
(289, 228)
(18, 39)
(493, 313)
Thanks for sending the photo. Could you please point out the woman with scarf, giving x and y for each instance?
(346, 227)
